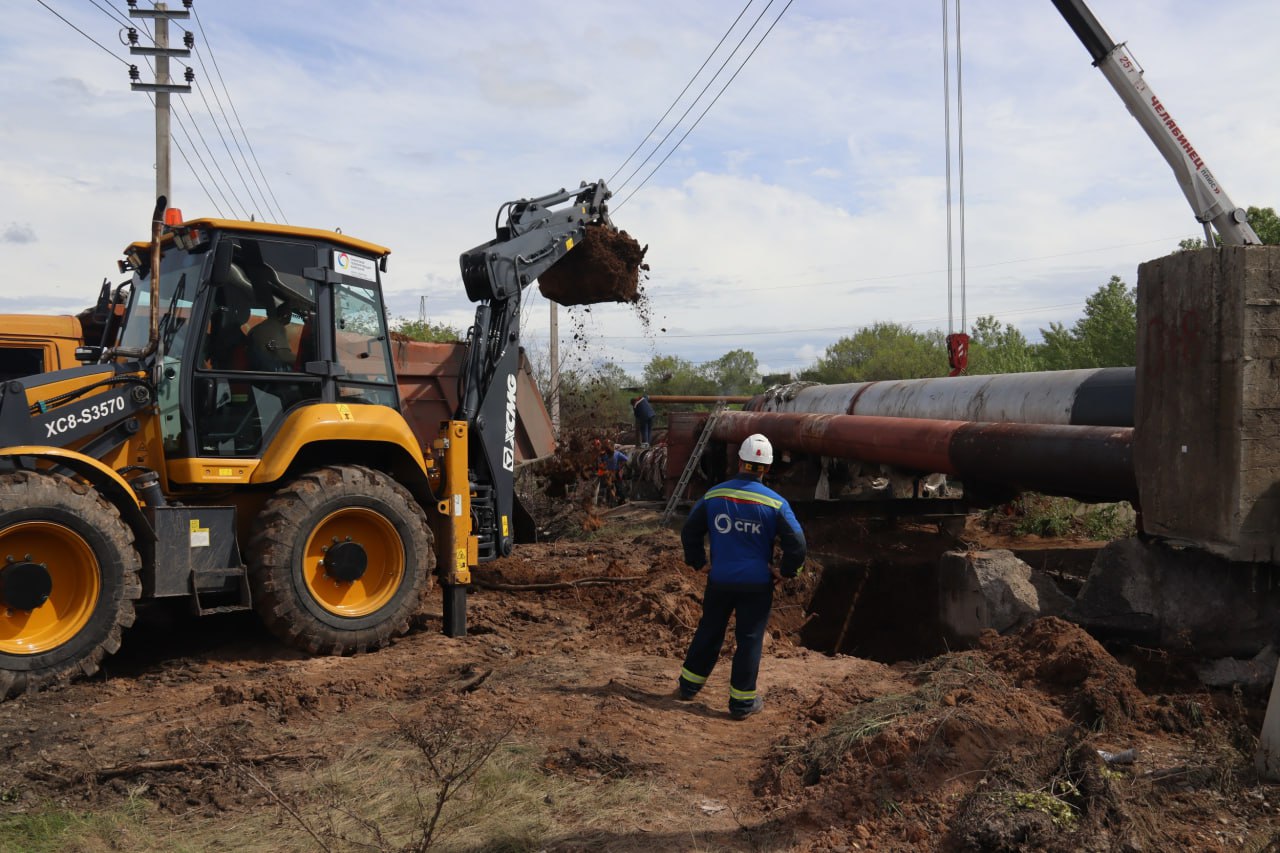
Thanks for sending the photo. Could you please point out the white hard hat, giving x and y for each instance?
(756, 449)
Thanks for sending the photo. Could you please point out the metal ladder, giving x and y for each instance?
(686, 475)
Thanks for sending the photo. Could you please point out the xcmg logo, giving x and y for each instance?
(723, 524)
(509, 438)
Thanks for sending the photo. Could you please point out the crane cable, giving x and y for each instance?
(957, 341)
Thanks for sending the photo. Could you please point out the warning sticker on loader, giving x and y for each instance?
(199, 535)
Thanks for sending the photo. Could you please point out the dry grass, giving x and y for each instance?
(926, 706)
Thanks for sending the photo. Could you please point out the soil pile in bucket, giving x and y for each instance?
(605, 267)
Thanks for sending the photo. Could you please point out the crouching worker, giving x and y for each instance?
(742, 517)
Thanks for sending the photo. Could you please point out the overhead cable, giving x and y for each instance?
(204, 39)
(176, 145)
(105, 49)
(713, 52)
(230, 156)
(205, 142)
(694, 103)
(116, 18)
(710, 105)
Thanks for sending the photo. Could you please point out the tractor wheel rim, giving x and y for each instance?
(384, 550)
(76, 584)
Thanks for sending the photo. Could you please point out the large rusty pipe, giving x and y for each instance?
(1079, 461)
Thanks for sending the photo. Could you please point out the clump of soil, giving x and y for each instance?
(1064, 661)
(605, 267)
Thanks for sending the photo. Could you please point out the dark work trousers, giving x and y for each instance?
(751, 604)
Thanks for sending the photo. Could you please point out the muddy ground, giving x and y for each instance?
(210, 735)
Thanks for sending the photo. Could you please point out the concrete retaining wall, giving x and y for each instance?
(1207, 414)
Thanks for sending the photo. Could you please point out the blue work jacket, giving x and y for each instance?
(742, 517)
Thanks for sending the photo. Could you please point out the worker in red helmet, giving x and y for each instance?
(742, 517)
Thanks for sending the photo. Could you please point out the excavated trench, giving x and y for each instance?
(878, 596)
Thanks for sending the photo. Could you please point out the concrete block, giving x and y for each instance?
(1207, 403)
(981, 590)
(1254, 674)
(1182, 598)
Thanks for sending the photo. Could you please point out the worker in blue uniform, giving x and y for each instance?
(643, 411)
(742, 517)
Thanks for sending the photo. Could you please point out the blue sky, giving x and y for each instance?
(807, 203)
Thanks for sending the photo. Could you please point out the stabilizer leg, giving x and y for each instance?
(455, 610)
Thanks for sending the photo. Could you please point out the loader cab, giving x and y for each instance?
(258, 321)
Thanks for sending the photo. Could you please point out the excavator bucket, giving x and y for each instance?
(604, 267)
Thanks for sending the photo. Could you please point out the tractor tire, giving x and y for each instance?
(69, 574)
(341, 561)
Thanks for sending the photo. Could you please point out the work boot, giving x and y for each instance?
(683, 695)
(741, 713)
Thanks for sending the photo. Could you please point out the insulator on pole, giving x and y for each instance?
(133, 35)
(190, 75)
(189, 39)
(133, 73)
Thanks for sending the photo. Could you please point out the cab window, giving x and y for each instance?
(360, 337)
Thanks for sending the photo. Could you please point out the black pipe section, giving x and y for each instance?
(1105, 399)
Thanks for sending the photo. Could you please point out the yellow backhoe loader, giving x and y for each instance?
(239, 443)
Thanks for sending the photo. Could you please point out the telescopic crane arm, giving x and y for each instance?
(1208, 199)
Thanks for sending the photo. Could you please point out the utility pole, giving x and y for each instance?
(555, 369)
(162, 88)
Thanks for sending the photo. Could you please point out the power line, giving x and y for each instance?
(243, 209)
(230, 130)
(230, 156)
(279, 212)
(694, 102)
(106, 50)
(114, 16)
(109, 14)
(645, 138)
(194, 174)
(208, 171)
(710, 105)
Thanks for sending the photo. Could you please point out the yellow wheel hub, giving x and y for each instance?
(354, 562)
(75, 585)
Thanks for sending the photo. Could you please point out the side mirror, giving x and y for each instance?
(89, 354)
(222, 262)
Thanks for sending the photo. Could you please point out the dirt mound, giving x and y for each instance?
(915, 749)
(208, 734)
(1062, 660)
(605, 267)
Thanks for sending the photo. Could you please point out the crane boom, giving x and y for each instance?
(1208, 199)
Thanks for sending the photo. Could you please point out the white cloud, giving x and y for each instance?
(808, 201)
